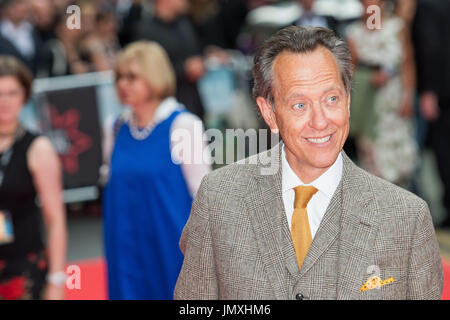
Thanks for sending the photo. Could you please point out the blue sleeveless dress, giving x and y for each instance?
(146, 204)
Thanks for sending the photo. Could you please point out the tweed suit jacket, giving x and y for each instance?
(237, 243)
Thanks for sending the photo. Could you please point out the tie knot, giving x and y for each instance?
(302, 196)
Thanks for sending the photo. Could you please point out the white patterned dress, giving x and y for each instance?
(394, 149)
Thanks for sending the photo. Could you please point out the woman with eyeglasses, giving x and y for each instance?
(30, 268)
(156, 160)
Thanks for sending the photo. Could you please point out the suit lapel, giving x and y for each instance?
(268, 219)
(358, 229)
(350, 220)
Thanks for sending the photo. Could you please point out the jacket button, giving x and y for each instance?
(299, 296)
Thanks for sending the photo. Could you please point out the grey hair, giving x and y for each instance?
(298, 39)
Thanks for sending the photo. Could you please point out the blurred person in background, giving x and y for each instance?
(61, 5)
(218, 22)
(310, 18)
(60, 55)
(18, 37)
(44, 18)
(171, 28)
(137, 10)
(29, 168)
(431, 34)
(149, 194)
(88, 10)
(99, 48)
(406, 9)
(382, 103)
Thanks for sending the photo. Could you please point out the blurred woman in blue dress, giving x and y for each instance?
(152, 178)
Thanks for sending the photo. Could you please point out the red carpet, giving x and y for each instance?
(446, 293)
(93, 281)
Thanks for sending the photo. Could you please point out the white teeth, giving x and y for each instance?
(323, 140)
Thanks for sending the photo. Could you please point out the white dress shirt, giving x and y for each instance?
(326, 185)
(189, 124)
(21, 36)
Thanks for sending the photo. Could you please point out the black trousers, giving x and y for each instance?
(439, 141)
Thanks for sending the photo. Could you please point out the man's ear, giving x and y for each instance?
(349, 100)
(266, 109)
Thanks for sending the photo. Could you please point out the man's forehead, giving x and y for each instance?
(320, 57)
(318, 66)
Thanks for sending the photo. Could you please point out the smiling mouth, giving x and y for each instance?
(319, 140)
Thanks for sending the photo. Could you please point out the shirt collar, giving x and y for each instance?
(162, 112)
(8, 26)
(327, 183)
(165, 109)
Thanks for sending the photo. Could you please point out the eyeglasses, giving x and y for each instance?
(128, 76)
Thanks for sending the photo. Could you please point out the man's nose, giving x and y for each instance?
(318, 118)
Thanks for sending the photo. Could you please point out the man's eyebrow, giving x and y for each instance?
(301, 94)
(333, 88)
(295, 95)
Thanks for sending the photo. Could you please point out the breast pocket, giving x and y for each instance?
(386, 279)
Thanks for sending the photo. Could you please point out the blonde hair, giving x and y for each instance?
(153, 65)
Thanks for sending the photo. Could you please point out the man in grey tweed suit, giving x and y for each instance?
(370, 239)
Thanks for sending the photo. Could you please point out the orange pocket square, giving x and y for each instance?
(375, 283)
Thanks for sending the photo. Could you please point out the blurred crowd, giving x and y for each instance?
(36, 33)
(400, 99)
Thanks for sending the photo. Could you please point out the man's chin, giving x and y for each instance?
(323, 161)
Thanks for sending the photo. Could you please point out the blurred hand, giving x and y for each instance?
(429, 106)
(380, 78)
(194, 68)
(53, 292)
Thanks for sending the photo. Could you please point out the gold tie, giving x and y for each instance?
(300, 230)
